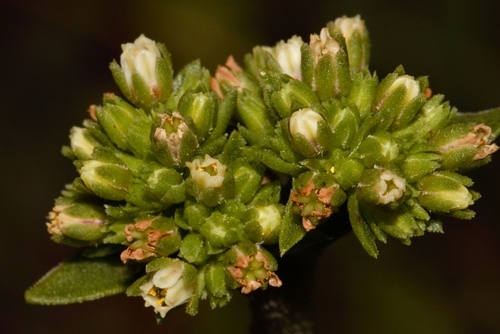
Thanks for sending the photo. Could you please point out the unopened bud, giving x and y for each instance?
(106, 179)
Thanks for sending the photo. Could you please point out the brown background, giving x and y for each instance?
(54, 63)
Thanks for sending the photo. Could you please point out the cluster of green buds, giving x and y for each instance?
(200, 183)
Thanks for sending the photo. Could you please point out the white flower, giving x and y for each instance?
(348, 25)
(390, 187)
(207, 174)
(167, 289)
(305, 121)
(288, 56)
(140, 57)
(81, 143)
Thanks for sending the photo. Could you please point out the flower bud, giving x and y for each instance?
(168, 185)
(263, 223)
(357, 40)
(293, 95)
(109, 180)
(116, 117)
(151, 238)
(288, 56)
(169, 286)
(444, 192)
(78, 221)
(201, 107)
(378, 149)
(252, 267)
(193, 249)
(362, 92)
(332, 76)
(344, 121)
(215, 276)
(419, 164)
(145, 76)
(248, 179)
(433, 116)
(83, 142)
(305, 127)
(173, 141)
(461, 144)
(222, 231)
(398, 98)
(380, 187)
(229, 76)
(253, 113)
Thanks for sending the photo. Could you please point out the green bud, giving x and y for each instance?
(201, 107)
(196, 214)
(168, 185)
(347, 171)
(462, 143)
(444, 192)
(222, 231)
(293, 95)
(263, 223)
(116, 117)
(357, 40)
(362, 92)
(253, 113)
(109, 180)
(344, 121)
(215, 278)
(173, 141)
(78, 221)
(378, 149)
(433, 116)
(193, 249)
(332, 76)
(248, 179)
(400, 224)
(145, 75)
(192, 77)
(398, 98)
(420, 164)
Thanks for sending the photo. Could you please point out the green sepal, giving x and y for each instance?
(362, 92)
(192, 76)
(252, 110)
(120, 80)
(292, 230)
(272, 160)
(359, 225)
(81, 279)
(225, 111)
(215, 279)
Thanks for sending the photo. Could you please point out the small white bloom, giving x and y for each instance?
(412, 87)
(390, 187)
(167, 289)
(305, 121)
(140, 57)
(288, 56)
(348, 25)
(207, 174)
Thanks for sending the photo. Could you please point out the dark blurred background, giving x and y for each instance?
(54, 64)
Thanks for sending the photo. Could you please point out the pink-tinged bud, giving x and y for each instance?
(461, 144)
(78, 221)
(226, 75)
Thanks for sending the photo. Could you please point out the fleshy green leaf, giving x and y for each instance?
(80, 279)
(490, 117)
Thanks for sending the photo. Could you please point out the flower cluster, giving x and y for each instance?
(196, 177)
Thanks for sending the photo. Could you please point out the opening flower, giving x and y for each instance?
(167, 288)
(208, 173)
(390, 187)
